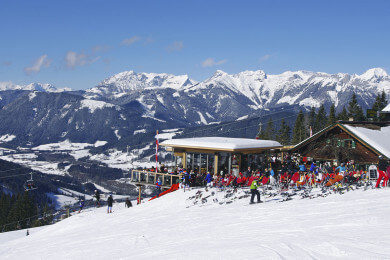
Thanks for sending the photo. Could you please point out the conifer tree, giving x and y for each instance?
(312, 117)
(321, 119)
(332, 115)
(343, 115)
(299, 129)
(376, 106)
(283, 135)
(354, 109)
(379, 104)
(270, 130)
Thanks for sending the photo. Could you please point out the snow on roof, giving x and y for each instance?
(378, 139)
(386, 109)
(222, 143)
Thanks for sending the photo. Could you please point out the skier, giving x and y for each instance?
(128, 203)
(254, 185)
(382, 165)
(110, 200)
(97, 195)
(81, 205)
(187, 177)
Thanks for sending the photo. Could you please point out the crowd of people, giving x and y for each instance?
(294, 172)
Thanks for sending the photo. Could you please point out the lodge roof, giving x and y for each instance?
(222, 143)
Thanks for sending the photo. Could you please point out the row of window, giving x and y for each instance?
(347, 143)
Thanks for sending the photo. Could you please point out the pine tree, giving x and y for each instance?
(332, 115)
(283, 135)
(343, 115)
(321, 119)
(299, 129)
(312, 117)
(5, 206)
(377, 106)
(354, 109)
(270, 130)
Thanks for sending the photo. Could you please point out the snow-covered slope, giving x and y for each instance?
(349, 226)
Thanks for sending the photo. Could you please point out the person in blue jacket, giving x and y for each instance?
(302, 167)
(313, 167)
(81, 205)
(208, 178)
(340, 168)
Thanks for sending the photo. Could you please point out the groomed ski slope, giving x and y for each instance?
(355, 225)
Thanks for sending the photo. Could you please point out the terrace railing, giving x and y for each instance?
(151, 178)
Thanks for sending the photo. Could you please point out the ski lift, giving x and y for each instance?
(29, 184)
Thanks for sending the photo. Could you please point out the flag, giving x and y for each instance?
(157, 151)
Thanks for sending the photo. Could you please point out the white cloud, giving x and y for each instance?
(74, 59)
(265, 57)
(130, 41)
(42, 61)
(209, 62)
(100, 48)
(176, 46)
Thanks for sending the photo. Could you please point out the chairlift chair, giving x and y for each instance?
(29, 184)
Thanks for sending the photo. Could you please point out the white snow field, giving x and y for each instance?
(354, 225)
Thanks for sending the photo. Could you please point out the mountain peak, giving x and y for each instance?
(374, 73)
(219, 73)
(128, 81)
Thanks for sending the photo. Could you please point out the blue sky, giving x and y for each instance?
(77, 44)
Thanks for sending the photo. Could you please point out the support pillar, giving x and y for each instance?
(216, 164)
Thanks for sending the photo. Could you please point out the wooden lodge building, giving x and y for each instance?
(362, 142)
(220, 154)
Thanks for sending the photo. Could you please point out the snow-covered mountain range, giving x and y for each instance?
(31, 87)
(225, 97)
(132, 104)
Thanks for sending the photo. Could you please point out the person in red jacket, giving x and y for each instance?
(382, 166)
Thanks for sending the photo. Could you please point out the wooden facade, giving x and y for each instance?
(337, 143)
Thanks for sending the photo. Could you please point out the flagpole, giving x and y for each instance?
(156, 151)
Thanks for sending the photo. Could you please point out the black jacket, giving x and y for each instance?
(109, 201)
(382, 165)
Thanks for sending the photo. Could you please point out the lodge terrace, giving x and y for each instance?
(210, 154)
(219, 154)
